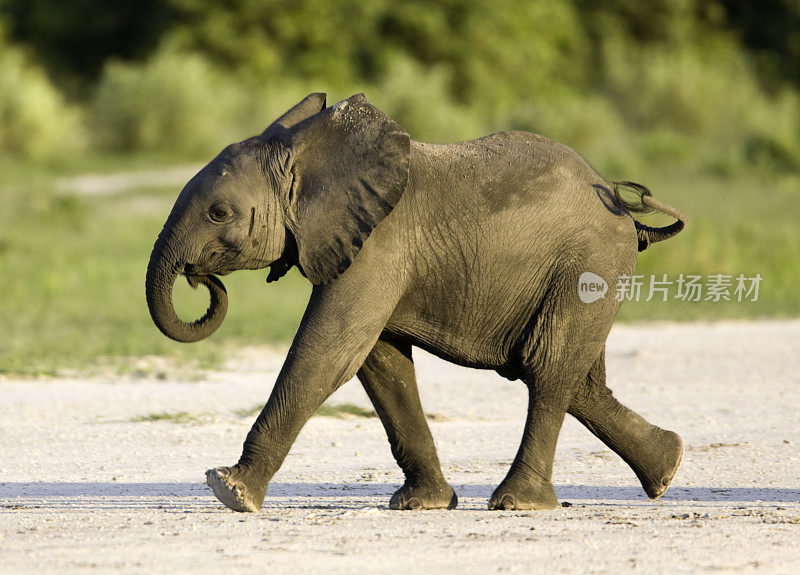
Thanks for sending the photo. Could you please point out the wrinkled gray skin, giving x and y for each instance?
(471, 251)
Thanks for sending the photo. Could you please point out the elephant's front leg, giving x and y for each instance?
(389, 379)
(332, 342)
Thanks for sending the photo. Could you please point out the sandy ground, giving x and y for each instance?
(86, 487)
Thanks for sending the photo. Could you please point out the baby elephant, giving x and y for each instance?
(471, 251)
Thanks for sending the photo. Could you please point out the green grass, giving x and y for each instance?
(72, 285)
(339, 411)
(17, 172)
(249, 411)
(171, 417)
(72, 269)
(344, 410)
(738, 225)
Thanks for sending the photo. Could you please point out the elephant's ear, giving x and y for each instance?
(349, 165)
(307, 107)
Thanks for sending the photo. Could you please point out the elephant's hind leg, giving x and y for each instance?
(528, 483)
(559, 348)
(553, 375)
(390, 382)
(653, 453)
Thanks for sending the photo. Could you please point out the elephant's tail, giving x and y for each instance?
(647, 203)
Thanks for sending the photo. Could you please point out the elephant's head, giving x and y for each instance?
(307, 192)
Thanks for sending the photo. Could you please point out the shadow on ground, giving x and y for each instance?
(113, 495)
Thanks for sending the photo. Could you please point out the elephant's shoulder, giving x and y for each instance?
(517, 140)
(516, 137)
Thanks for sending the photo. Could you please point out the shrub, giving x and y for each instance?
(418, 99)
(705, 97)
(35, 122)
(173, 102)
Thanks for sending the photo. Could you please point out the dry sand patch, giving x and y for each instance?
(90, 482)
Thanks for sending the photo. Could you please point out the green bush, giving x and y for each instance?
(35, 122)
(703, 101)
(418, 99)
(173, 102)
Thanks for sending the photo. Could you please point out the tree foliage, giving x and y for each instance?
(74, 39)
(665, 76)
(478, 41)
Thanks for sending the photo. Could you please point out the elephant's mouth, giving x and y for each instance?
(195, 280)
(195, 271)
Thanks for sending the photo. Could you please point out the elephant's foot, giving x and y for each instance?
(661, 464)
(233, 491)
(435, 496)
(519, 494)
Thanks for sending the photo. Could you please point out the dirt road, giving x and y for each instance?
(106, 473)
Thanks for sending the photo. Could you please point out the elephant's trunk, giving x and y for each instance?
(162, 272)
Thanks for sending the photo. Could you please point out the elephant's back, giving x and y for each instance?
(515, 180)
(493, 225)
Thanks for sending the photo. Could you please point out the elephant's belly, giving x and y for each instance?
(453, 350)
(482, 343)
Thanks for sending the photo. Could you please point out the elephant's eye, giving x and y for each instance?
(219, 213)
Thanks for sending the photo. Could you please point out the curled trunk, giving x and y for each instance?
(162, 272)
